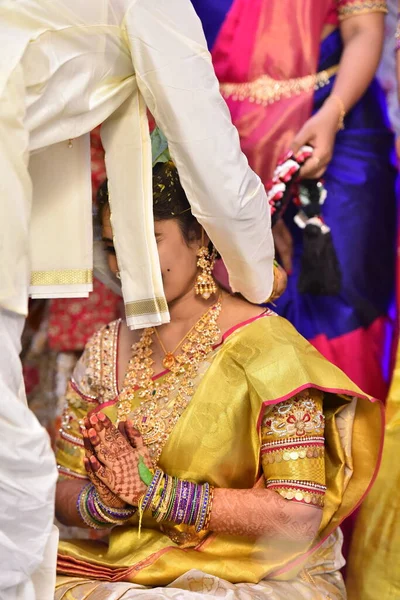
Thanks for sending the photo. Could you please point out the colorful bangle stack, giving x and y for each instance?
(96, 514)
(179, 501)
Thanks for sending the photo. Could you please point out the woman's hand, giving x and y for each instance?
(319, 132)
(116, 460)
(106, 495)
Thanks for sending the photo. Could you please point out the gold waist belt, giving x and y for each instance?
(265, 90)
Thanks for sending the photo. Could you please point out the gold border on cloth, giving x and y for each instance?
(147, 306)
(362, 7)
(62, 277)
(266, 90)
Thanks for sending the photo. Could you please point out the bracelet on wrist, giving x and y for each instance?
(342, 109)
(178, 501)
(96, 514)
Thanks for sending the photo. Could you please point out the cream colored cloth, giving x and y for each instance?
(28, 475)
(72, 65)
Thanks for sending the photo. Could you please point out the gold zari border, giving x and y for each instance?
(149, 306)
(265, 90)
(359, 7)
(62, 277)
(294, 493)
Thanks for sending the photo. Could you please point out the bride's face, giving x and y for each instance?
(178, 257)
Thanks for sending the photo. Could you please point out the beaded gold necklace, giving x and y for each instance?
(163, 402)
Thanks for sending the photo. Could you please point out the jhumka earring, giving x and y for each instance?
(205, 284)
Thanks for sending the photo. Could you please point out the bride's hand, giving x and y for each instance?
(106, 495)
(116, 460)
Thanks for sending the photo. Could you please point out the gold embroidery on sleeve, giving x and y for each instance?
(358, 7)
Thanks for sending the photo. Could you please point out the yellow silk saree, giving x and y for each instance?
(258, 366)
(373, 570)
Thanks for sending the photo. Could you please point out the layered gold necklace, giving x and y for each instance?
(163, 402)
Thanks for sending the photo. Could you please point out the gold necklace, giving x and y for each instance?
(169, 358)
(163, 402)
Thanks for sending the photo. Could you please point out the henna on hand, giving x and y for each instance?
(261, 512)
(115, 459)
(106, 495)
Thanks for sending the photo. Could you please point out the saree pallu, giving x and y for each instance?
(373, 569)
(355, 328)
(217, 439)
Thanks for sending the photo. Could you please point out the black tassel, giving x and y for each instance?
(320, 272)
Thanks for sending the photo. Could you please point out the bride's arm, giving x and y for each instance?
(292, 455)
(261, 512)
(67, 493)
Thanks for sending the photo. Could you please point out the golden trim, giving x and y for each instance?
(148, 306)
(361, 7)
(62, 277)
(265, 90)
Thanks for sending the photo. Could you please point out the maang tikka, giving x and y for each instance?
(205, 284)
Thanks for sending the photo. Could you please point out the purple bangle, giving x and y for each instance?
(197, 505)
(187, 501)
(192, 506)
(180, 503)
(91, 506)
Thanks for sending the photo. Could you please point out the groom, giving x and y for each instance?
(65, 67)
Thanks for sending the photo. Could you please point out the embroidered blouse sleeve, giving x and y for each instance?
(292, 451)
(352, 8)
(80, 398)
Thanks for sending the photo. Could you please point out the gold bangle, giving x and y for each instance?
(342, 108)
(274, 295)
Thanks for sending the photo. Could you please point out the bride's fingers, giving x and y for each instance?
(93, 438)
(95, 464)
(96, 423)
(122, 430)
(103, 474)
(88, 467)
(104, 420)
(134, 436)
(86, 442)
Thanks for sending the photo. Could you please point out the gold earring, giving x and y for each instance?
(205, 284)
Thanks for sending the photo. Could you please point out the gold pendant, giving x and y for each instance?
(168, 361)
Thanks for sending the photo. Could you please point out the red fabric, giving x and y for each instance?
(332, 17)
(73, 321)
(341, 351)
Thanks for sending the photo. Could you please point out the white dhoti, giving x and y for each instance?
(65, 67)
(27, 481)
